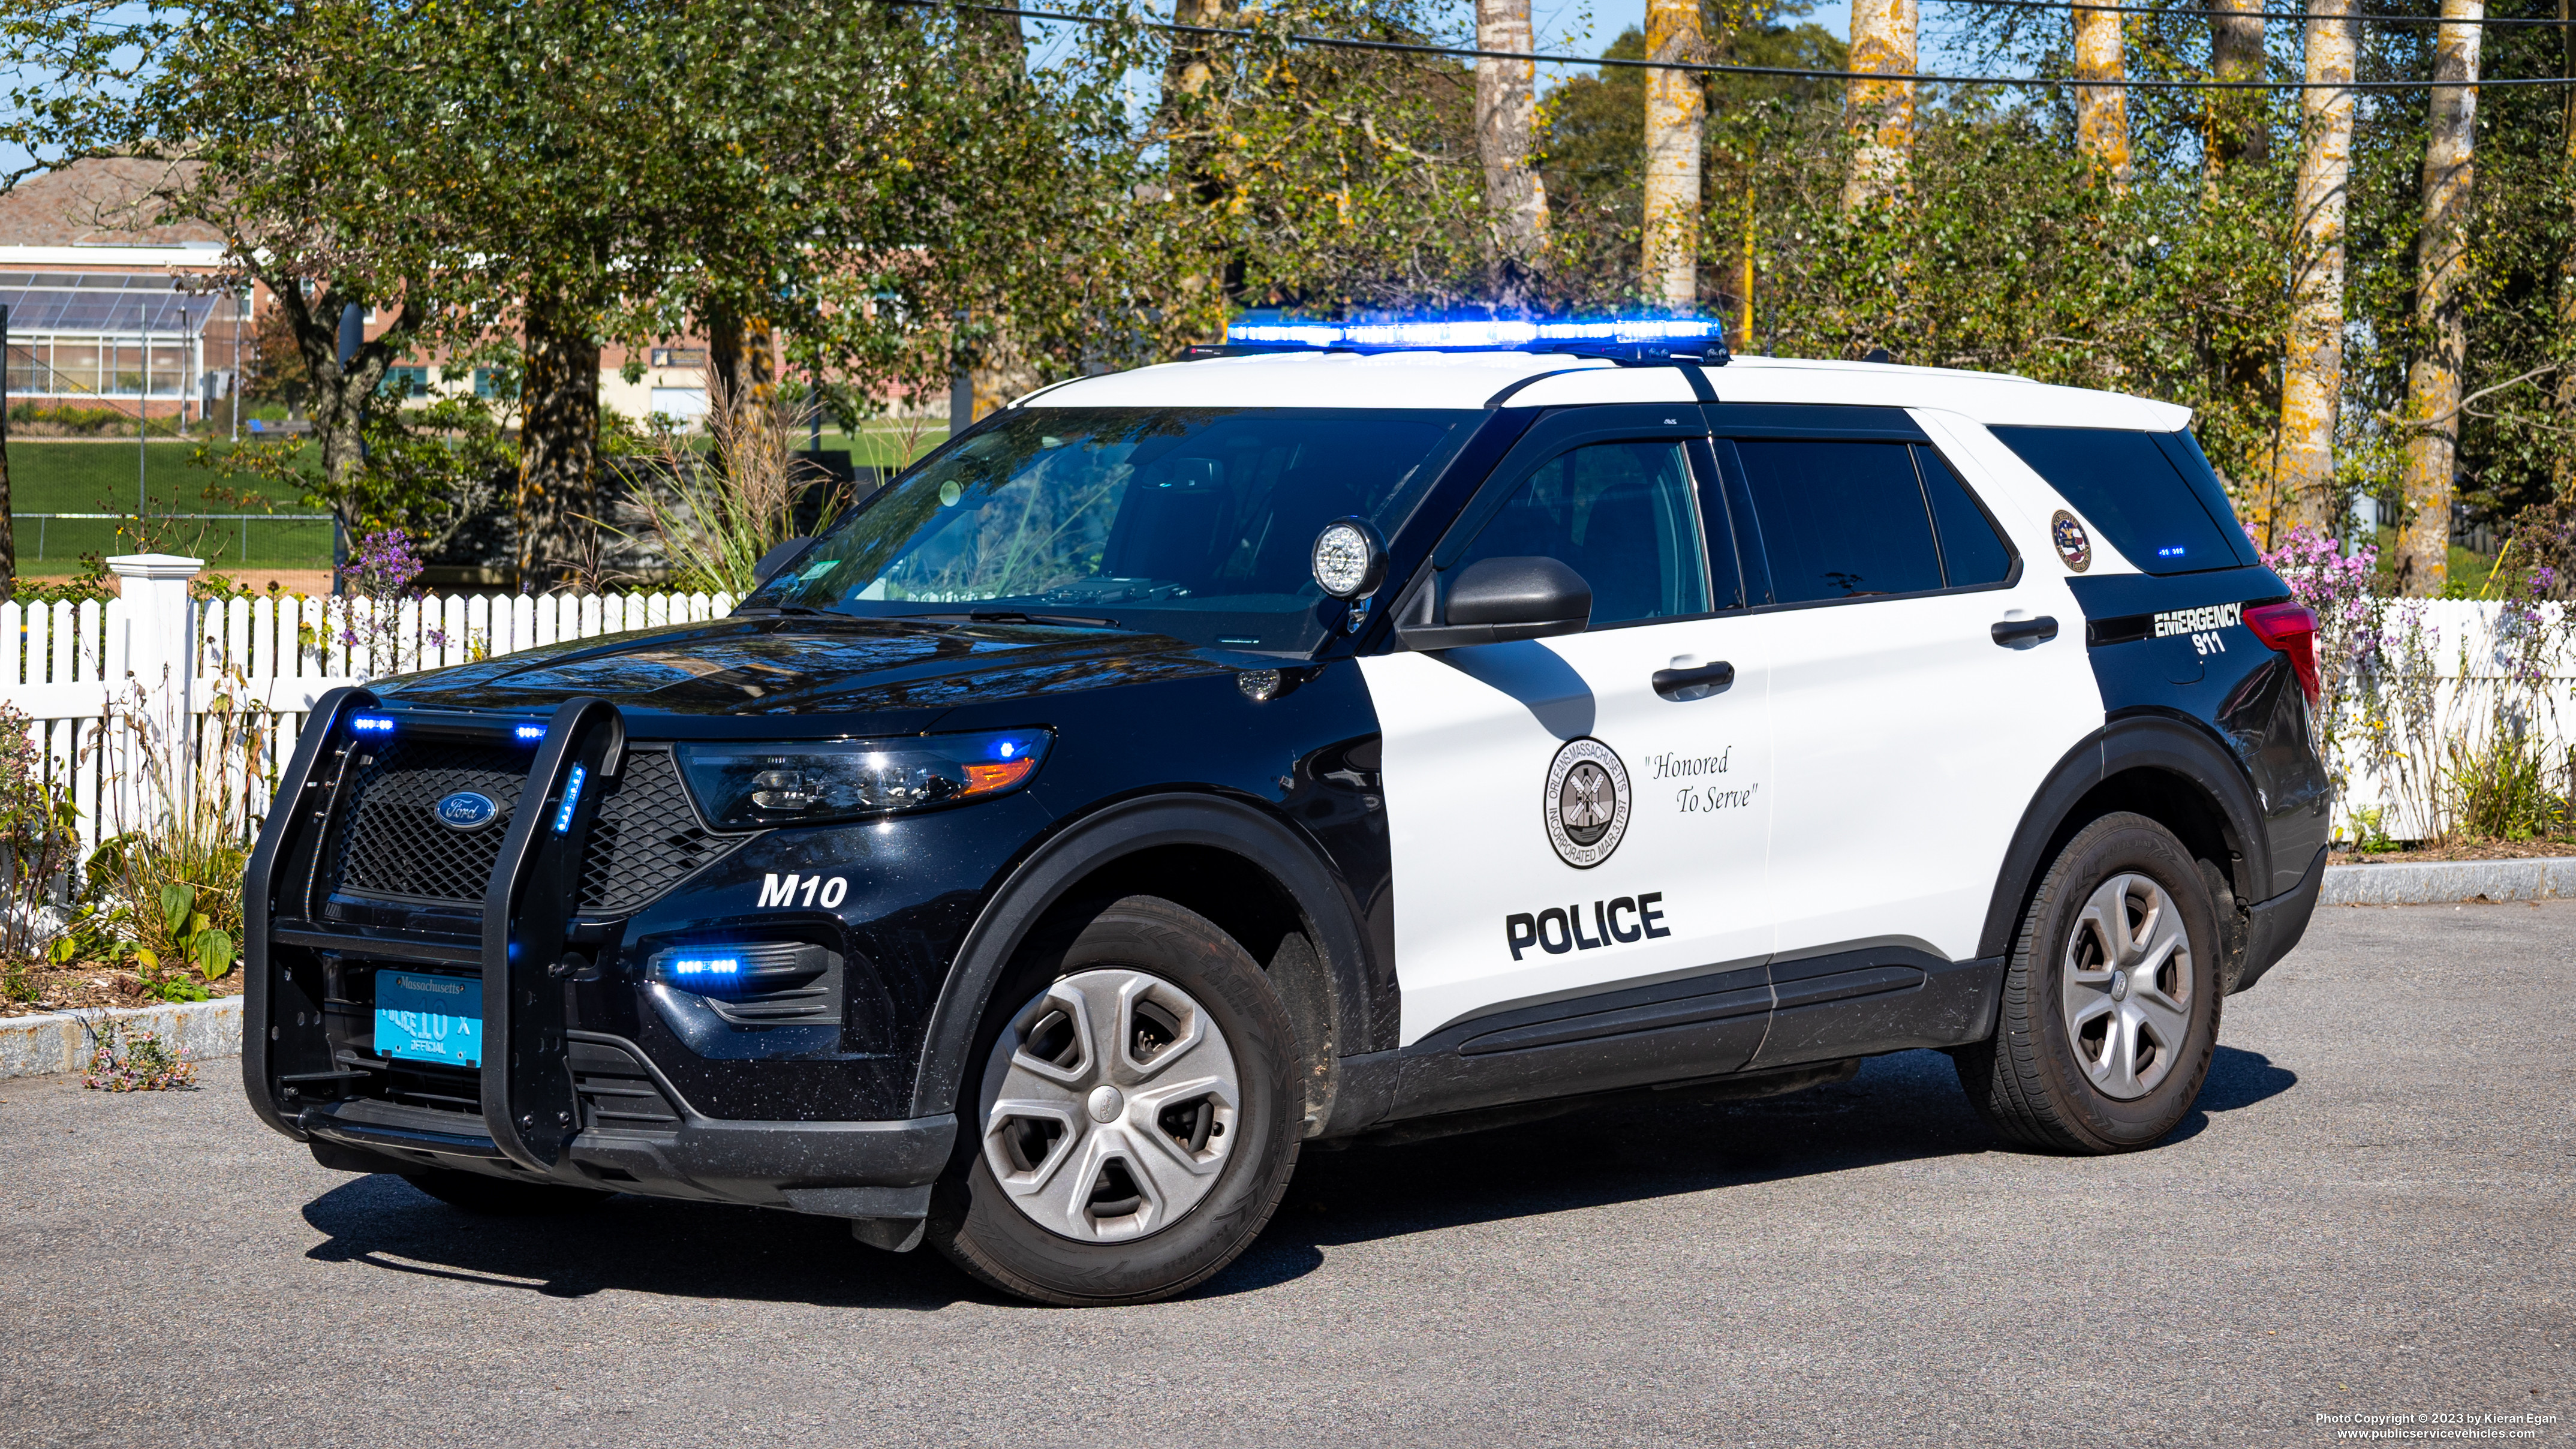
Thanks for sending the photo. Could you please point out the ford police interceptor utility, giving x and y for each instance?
(1349, 731)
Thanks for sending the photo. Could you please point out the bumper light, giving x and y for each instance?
(750, 786)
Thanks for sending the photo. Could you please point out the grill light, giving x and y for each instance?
(1473, 334)
(528, 734)
(371, 724)
(687, 968)
(572, 797)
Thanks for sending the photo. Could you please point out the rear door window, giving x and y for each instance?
(1973, 552)
(2127, 485)
(1839, 520)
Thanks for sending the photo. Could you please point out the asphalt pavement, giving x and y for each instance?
(2373, 1212)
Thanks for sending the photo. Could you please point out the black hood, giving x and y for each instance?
(807, 665)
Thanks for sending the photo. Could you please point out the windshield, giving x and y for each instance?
(1192, 523)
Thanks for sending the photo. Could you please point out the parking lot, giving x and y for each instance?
(2374, 1212)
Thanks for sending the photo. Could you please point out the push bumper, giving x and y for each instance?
(2273, 927)
(836, 1169)
(557, 1104)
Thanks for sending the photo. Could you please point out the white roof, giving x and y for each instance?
(1472, 379)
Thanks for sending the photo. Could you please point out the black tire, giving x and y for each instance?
(2035, 1081)
(981, 1229)
(500, 1197)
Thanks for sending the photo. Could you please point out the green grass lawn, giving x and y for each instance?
(49, 475)
(53, 476)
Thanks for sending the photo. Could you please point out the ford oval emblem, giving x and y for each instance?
(466, 810)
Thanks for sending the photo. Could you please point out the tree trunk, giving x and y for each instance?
(1675, 108)
(1880, 114)
(2441, 274)
(2102, 111)
(558, 442)
(340, 393)
(1506, 114)
(2312, 373)
(2238, 125)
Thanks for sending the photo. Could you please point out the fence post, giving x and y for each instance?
(160, 649)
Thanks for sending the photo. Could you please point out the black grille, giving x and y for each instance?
(391, 843)
(644, 840)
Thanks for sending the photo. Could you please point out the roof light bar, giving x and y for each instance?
(1646, 335)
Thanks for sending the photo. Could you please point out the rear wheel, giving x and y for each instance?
(501, 1197)
(2110, 1001)
(1135, 1121)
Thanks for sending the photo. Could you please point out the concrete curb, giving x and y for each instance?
(32, 1046)
(2392, 884)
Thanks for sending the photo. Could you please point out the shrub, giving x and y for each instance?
(38, 845)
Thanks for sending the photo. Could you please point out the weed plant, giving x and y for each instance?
(123, 1060)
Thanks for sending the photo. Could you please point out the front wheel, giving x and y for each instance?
(1136, 1120)
(2110, 1001)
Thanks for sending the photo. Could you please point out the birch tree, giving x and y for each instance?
(1880, 114)
(2101, 111)
(1676, 109)
(2235, 127)
(2312, 370)
(1506, 115)
(2442, 247)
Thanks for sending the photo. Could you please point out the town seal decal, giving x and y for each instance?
(1587, 802)
(2072, 545)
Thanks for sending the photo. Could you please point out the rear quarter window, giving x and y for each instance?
(2150, 495)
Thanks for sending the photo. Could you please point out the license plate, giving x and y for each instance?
(429, 1018)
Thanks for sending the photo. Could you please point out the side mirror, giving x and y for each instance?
(778, 558)
(1496, 600)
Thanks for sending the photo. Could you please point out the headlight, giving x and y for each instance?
(749, 786)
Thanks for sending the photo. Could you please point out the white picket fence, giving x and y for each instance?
(78, 671)
(2473, 648)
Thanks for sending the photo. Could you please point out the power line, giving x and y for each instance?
(1399, 47)
(2186, 13)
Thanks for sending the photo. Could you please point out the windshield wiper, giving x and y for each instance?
(1015, 616)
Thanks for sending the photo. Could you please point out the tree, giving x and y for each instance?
(1675, 109)
(1881, 113)
(2101, 111)
(2312, 375)
(2433, 382)
(1506, 113)
(2235, 127)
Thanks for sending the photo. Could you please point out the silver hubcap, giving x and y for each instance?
(1111, 1106)
(2127, 986)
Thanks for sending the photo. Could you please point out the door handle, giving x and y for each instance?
(2025, 633)
(1681, 686)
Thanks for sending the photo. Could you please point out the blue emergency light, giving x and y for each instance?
(572, 797)
(528, 734)
(691, 968)
(1624, 336)
(370, 724)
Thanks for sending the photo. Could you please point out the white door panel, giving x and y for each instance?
(1470, 738)
(1911, 742)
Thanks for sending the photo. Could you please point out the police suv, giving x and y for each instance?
(1350, 731)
